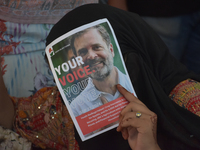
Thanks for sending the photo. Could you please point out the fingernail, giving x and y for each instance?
(117, 129)
(124, 136)
(119, 85)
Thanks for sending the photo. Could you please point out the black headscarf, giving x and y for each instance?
(153, 72)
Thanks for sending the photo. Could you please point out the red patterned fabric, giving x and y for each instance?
(44, 120)
(187, 95)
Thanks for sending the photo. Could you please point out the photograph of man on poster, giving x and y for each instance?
(94, 46)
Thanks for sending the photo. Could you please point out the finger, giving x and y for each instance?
(144, 123)
(128, 95)
(125, 134)
(128, 116)
(135, 107)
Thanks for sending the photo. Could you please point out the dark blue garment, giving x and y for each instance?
(154, 72)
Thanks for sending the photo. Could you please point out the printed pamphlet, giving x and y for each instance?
(87, 65)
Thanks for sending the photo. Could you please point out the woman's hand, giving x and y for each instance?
(139, 131)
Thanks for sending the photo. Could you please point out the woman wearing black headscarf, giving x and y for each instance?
(164, 86)
(153, 72)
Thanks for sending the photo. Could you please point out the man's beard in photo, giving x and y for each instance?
(101, 73)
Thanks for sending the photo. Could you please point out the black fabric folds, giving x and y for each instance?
(163, 8)
(153, 71)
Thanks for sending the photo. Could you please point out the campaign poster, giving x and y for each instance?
(87, 65)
